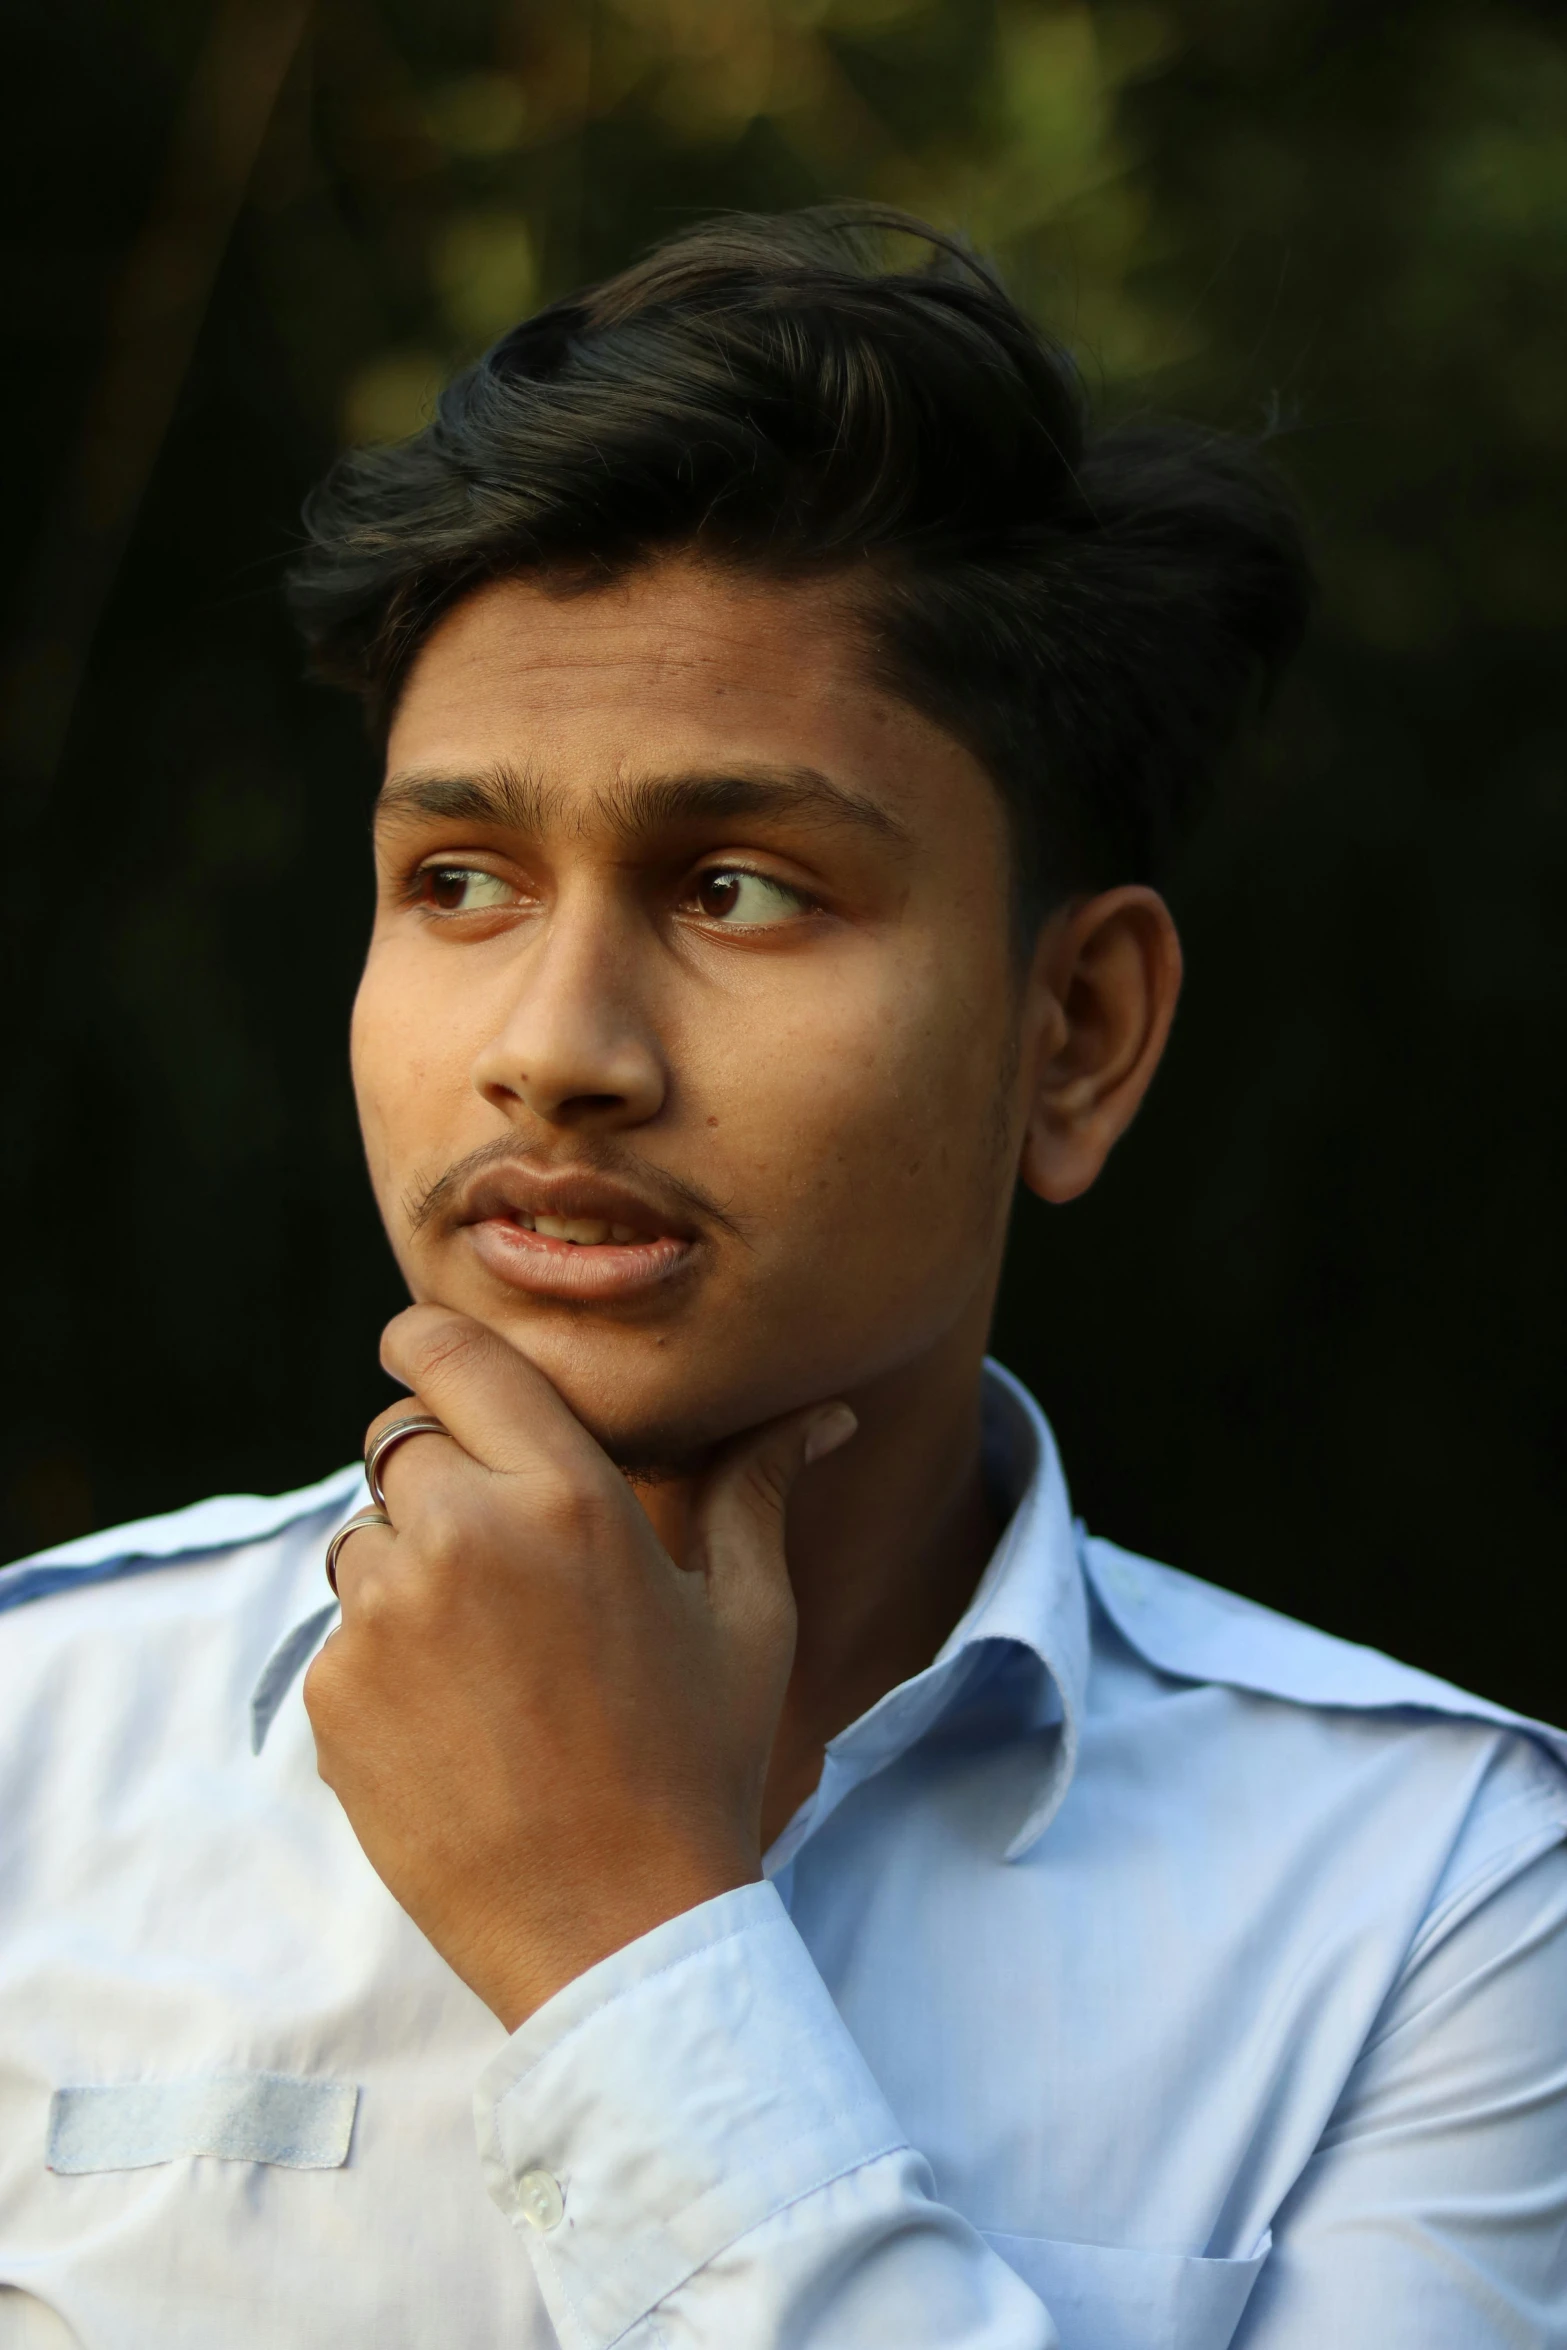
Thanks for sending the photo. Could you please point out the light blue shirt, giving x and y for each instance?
(1148, 1973)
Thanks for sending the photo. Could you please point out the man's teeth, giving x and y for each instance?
(586, 1231)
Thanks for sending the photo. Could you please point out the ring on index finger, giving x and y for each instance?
(417, 1424)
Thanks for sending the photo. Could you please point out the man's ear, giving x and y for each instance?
(1102, 991)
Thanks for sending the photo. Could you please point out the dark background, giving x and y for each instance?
(1306, 1337)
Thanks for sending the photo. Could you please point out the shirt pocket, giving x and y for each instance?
(296, 2122)
(1105, 2297)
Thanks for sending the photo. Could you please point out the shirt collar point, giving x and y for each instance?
(1050, 1792)
(283, 1668)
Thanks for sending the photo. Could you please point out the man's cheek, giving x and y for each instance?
(417, 1115)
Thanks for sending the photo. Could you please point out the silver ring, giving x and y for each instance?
(417, 1424)
(360, 1518)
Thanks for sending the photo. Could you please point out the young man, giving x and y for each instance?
(873, 1911)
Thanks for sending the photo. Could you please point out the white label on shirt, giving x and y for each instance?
(239, 2117)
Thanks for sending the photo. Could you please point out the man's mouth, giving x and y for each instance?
(572, 1235)
(581, 1231)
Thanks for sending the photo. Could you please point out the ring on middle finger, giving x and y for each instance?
(359, 1519)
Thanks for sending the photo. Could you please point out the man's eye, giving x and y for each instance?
(463, 889)
(730, 894)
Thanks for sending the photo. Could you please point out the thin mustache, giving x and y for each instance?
(427, 1204)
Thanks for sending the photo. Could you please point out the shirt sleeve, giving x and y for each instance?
(1434, 2208)
(695, 2154)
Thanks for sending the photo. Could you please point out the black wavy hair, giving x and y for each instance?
(1092, 614)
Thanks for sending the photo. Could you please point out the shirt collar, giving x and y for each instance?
(317, 1616)
(1029, 1604)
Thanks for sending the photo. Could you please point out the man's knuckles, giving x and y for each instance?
(448, 1544)
(529, 1519)
(527, 1515)
(410, 1589)
(570, 1515)
(457, 1544)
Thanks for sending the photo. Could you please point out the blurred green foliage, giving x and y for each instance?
(1307, 1336)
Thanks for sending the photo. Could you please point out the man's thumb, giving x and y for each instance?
(742, 1511)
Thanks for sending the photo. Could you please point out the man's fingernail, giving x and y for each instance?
(835, 1427)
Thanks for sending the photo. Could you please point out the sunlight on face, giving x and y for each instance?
(673, 900)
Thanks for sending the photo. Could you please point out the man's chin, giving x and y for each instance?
(660, 1411)
(653, 1438)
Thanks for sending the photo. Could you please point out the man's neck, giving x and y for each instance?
(887, 1540)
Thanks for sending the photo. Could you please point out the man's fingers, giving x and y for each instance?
(740, 1526)
(496, 1405)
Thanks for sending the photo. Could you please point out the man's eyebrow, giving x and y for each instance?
(636, 806)
(493, 795)
(640, 805)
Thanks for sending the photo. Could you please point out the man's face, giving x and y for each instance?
(685, 1046)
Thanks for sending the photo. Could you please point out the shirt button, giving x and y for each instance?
(543, 2204)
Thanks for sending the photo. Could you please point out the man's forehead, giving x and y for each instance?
(676, 622)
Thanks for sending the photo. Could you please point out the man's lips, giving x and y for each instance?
(575, 1208)
(572, 1235)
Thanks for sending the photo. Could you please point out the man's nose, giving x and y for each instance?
(577, 1046)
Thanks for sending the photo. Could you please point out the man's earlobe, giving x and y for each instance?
(1102, 995)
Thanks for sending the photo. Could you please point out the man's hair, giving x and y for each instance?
(1092, 614)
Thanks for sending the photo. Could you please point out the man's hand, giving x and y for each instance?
(547, 1736)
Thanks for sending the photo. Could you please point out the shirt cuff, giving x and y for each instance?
(669, 2100)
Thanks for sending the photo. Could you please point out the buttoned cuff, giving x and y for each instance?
(668, 2101)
